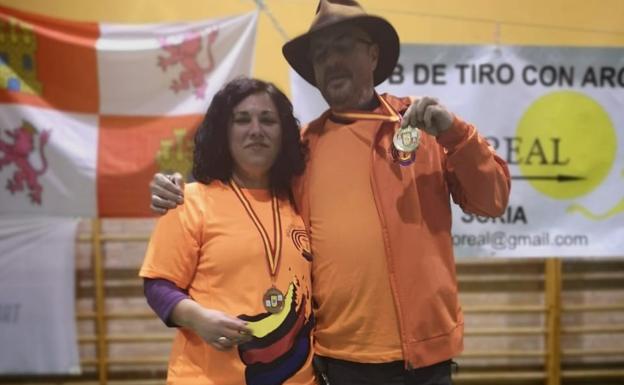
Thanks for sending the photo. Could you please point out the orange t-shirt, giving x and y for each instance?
(356, 315)
(210, 246)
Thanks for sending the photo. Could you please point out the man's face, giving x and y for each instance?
(344, 58)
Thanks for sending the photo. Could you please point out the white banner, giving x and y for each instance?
(554, 114)
(37, 299)
(171, 69)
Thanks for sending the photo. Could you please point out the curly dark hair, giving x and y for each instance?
(211, 156)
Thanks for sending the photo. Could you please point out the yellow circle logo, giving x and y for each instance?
(569, 142)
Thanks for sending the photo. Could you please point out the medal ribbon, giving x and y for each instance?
(273, 250)
(391, 116)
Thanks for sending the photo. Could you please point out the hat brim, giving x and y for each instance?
(381, 32)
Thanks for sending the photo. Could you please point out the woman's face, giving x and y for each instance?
(255, 135)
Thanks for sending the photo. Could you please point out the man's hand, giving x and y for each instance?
(167, 192)
(429, 115)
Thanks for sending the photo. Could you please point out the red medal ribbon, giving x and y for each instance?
(273, 250)
(390, 116)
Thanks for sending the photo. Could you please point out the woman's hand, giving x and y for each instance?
(218, 329)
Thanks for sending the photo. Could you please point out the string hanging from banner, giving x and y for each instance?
(497, 39)
(264, 8)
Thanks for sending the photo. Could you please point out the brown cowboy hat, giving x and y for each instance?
(337, 12)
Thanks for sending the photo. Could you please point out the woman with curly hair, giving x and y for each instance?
(231, 266)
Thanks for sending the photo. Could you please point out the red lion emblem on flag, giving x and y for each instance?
(18, 153)
(187, 54)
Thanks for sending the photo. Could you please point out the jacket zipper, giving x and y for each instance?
(384, 231)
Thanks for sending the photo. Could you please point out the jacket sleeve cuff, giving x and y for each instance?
(455, 135)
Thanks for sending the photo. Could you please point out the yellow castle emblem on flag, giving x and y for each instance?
(18, 67)
(175, 155)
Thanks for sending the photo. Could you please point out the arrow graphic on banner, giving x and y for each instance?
(557, 178)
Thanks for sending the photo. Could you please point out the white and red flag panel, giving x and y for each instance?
(90, 111)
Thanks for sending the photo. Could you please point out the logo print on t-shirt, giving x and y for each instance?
(281, 341)
(302, 242)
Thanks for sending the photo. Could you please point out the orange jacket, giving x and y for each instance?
(414, 209)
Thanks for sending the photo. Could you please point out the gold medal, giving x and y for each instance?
(273, 300)
(406, 139)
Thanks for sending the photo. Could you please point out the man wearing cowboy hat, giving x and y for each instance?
(375, 198)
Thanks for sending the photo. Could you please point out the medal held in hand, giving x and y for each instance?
(404, 145)
(406, 139)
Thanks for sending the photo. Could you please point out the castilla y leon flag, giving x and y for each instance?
(88, 111)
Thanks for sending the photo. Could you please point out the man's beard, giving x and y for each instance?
(342, 97)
